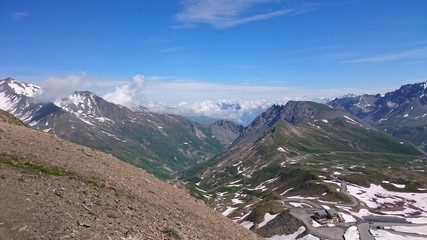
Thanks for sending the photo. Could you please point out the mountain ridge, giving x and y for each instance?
(401, 113)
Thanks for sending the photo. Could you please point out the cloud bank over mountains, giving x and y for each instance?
(238, 111)
(237, 102)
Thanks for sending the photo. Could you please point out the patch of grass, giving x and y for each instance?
(409, 187)
(172, 233)
(309, 189)
(258, 213)
(194, 191)
(265, 173)
(228, 189)
(98, 203)
(254, 193)
(132, 196)
(270, 196)
(358, 179)
(26, 165)
(97, 183)
(85, 192)
(367, 177)
(319, 106)
(334, 196)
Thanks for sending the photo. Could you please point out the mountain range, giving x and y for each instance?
(160, 143)
(300, 150)
(401, 113)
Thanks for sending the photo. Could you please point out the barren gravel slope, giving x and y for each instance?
(102, 198)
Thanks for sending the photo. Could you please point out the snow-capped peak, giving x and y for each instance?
(78, 102)
(21, 88)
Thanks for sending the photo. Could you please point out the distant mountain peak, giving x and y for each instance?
(300, 112)
(20, 88)
(402, 112)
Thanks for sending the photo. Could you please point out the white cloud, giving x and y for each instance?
(419, 53)
(238, 102)
(173, 90)
(19, 15)
(240, 111)
(127, 95)
(57, 87)
(225, 13)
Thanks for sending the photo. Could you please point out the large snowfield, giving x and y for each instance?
(376, 197)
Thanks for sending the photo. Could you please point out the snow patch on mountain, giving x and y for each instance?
(229, 210)
(7, 103)
(267, 218)
(380, 234)
(247, 224)
(294, 236)
(262, 186)
(26, 89)
(351, 233)
(376, 197)
(421, 230)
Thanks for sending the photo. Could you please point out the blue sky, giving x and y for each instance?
(189, 53)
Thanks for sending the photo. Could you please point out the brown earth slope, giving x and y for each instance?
(9, 118)
(59, 190)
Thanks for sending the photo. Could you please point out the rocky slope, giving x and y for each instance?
(8, 118)
(225, 131)
(160, 143)
(54, 189)
(401, 113)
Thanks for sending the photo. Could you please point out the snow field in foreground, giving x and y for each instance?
(380, 234)
(294, 236)
(351, 233)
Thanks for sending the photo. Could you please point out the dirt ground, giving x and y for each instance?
(99, 198)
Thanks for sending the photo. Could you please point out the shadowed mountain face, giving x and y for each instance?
(56, 189)
(288, 151)
(401, 113)
(160, 143)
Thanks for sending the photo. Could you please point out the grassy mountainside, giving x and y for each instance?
(295, 159)
(169, 145)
